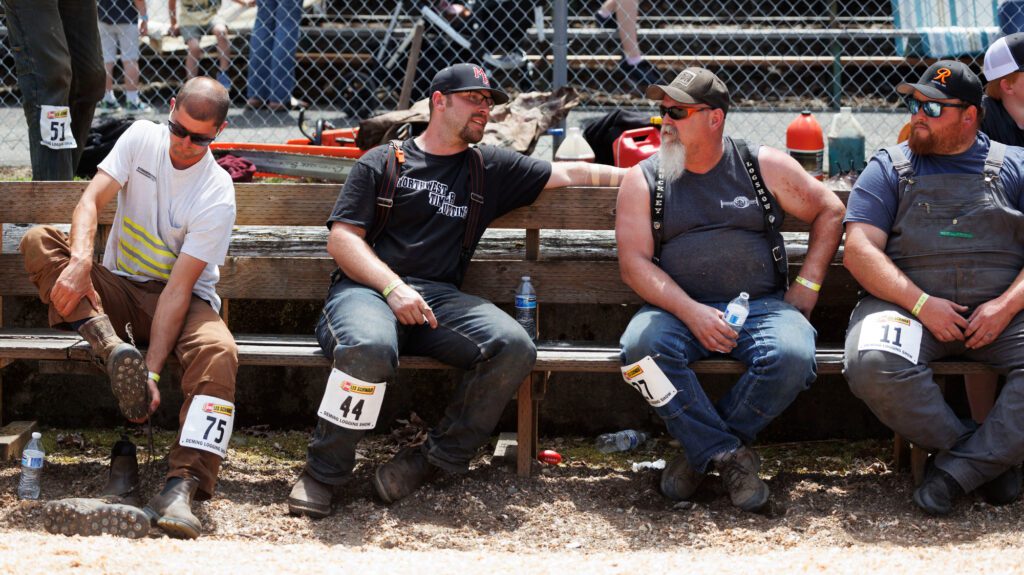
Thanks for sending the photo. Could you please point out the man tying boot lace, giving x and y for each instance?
(175, 211)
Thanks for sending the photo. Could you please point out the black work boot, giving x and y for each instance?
(937, 492)
(87, 517)
(1004, 489)
(739, 470)
(310, 497)
(123, 482)
(171, 509)
(679, 480)
(405, 473)
(124, 364)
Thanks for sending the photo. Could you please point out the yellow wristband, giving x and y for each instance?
(391, 287)
(154, 376)
(919, 304)
(808, 283)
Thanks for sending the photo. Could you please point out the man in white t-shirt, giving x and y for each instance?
(175, 210)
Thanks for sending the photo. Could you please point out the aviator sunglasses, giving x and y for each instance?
(679, 113)
(931, 108)
(180, 131)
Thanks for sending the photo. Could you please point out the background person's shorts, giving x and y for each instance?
(197, 32)
(124, 35)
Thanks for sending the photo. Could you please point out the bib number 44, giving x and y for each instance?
(350, 402)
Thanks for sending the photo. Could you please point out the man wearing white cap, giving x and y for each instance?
(1003, 105)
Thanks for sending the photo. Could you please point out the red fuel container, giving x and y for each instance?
(634, 145)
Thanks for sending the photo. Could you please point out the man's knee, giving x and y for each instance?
(869, 376)
(41, 241)
(373, 362)
(795, 364)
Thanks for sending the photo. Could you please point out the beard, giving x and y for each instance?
(472, 133)
(931, 141)
(673, 154)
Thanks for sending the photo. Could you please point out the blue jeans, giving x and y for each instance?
(777, 345)
(362, 334)
(275, 36)
(1011, 17)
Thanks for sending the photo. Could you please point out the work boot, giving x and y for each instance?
(679, 480)
(89, 517)
(123, 482)
(171, 509)
(405, 473)
(937, 492)
(739, 473)
(1004, 489)
(310, 497)
(124, 364)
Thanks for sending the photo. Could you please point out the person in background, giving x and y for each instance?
(196, 18)
(275, 36)
(56, 47)
(121, 24)
(622, 14)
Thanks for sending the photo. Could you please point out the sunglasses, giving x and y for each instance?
(679, 113)
(931, 108)
(180, 131)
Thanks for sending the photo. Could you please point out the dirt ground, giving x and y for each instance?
(840, 507)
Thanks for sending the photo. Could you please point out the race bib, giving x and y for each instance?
(350, 402)
(891, 331)
(208, 425)
(646, 377)
(55, 127)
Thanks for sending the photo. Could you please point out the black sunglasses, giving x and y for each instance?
(931, 108)
(678, 113)
(180, 131)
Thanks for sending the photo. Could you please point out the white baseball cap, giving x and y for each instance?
(1004, 57)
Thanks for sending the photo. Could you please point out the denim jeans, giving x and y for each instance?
(275, 36)
(56, 49)
(362, 334)
(777, 345)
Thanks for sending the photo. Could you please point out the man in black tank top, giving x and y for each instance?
(716, 241)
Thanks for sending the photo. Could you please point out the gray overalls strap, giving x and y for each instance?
(957, 236)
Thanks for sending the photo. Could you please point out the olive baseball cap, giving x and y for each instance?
(947, 79)
(466, 78)
(694, 86)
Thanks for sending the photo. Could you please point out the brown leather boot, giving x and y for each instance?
(87, 517)
(123, 482)
(171, 509)
(124, 365)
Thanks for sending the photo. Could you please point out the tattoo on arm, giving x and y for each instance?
(605, 176)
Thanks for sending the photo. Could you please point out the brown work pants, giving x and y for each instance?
(205, 348)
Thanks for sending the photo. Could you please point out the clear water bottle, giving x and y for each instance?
(845, 144)
(31, 468)
(737, 310)
(526, 307)
(620, 440)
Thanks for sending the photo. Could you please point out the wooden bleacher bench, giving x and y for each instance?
(579, 280)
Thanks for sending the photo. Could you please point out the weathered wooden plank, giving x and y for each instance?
(311, 204)
(13, 438)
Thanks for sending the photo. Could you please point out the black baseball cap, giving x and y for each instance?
(1004, 57)
(466, 78)
(694, 86)
(947, 79)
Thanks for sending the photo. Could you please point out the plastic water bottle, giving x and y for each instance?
(574, 148)
(845, 144)
(620, 440)
(737, 310)
(526, 307)
(31, 468)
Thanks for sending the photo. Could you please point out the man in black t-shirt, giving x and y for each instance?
(401, 294)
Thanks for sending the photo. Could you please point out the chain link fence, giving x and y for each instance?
(352, 57)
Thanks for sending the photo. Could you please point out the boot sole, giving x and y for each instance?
(128, 376)
(174, 527)
(62, 518)
(308, 509)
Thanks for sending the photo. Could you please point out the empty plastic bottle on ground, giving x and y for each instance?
(620, 440)
(574, 148)
(526, 307)
(737, 310)
(31, 468)
(845, 144)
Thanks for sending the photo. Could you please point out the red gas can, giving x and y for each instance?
(635, 145)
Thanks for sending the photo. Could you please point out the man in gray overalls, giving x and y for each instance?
(935, 234)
